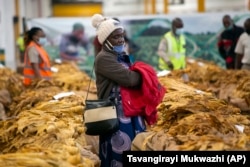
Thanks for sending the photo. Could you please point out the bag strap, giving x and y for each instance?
(92, 71)
(116, 87)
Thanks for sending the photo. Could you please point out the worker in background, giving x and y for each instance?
(20, 47)
(71, 44)
(227, 42)
(36, 59)
(171, 49)
(243, 46)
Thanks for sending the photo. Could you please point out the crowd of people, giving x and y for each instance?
(114, 63)
(233, 45)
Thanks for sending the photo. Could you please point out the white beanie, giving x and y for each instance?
(104, 26)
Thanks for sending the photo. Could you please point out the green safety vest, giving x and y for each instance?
(176, 48)
(20, 42)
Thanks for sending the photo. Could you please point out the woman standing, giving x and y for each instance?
(112, 70)
(36, 59)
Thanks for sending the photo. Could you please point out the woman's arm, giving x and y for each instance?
(34, 60)
(107, 66)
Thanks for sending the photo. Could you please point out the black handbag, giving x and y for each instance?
(100, 116)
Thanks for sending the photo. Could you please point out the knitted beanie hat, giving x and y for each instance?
(104, 26)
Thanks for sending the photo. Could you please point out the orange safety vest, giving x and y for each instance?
(44, 66)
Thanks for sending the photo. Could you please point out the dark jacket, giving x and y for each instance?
(227, 43)
(109, 72)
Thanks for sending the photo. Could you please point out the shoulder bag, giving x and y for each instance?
(100, 116)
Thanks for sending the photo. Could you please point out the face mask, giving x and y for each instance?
(119, 48)
(179, 31)
(42, 41)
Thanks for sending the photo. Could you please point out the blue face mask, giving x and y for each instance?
(42, 41)
(118, 48)
(179, 31)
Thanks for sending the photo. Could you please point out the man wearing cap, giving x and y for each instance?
(71, 44)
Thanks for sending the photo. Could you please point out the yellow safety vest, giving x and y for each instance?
(176, 50)
(20, 42)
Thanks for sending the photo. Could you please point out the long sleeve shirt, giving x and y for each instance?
(110, 72)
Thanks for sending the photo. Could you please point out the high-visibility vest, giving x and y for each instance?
(44, 65)
(20, 43)
(176, 50)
